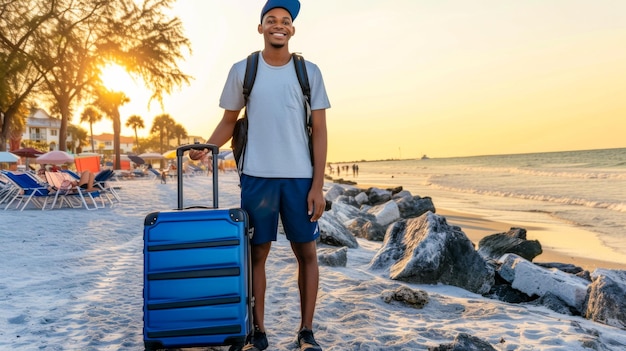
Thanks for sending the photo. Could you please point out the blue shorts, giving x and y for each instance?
(266, 198)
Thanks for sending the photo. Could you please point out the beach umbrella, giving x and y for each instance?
(55, 158)
(170, 155)
(8, 157)
(151, 156)
(27, 152)
(138, 160)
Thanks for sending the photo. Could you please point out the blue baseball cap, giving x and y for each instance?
(292, 6)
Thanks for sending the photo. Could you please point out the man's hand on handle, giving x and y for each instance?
(197, 154)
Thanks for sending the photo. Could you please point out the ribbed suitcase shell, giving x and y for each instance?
(197, 288)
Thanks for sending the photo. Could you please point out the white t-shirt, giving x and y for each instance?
(277, 140)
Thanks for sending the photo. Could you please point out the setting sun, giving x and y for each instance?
(116, 78)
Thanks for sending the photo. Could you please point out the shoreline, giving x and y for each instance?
(477, 227)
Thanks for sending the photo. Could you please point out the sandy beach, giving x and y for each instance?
(72, 280)
(476, 227)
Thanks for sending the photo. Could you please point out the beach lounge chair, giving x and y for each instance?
(28, 191)
(72, 173)
(7, 188)
(101, 181)
(155, 175)
(74, 196)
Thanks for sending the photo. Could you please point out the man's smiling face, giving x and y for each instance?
(277, 27)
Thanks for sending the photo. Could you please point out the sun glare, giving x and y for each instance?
(114, 77)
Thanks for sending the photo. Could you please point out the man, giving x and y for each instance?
(278, 176)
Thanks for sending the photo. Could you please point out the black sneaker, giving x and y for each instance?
(255, 341)
(306, 341)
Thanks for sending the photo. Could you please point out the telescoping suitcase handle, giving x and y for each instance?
(180, 151)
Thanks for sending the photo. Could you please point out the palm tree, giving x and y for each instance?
(90, 115)
(179, 132)
(160, 126)
(109, 103)
(79, 137)
(135, 122)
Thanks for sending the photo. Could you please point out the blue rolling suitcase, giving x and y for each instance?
(197, 286)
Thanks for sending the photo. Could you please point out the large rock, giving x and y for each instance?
(344, 212)
(607, 297)
(413, 206)
(333, 232)
(565, 267)
(534, 280)
(514, 241)
(385, 213)
(427, 250)
(361, 198)
(333, 257)
(378, 196)
(365, 228)
(334, 192)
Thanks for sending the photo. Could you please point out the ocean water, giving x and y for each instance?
(584, 190)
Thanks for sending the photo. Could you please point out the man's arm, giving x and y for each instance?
(222, 133)
(316, 201)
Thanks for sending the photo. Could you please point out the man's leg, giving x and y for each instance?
(308, 280)
(259, 283)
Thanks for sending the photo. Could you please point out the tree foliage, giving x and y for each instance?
(19, 77)
(109, 103)
(57, 49)
(91, 115)
(179, 132)
(79, 138)
(135, 122)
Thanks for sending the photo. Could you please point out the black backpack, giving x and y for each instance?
(240, 133)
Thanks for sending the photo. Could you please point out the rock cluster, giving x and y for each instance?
(420, 247)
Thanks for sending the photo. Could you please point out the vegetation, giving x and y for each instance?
(135, 122)
(79, 138)
(91, 115)
(55, 51)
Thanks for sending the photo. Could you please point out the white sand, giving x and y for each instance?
(71, 279)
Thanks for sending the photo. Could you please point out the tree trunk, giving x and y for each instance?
(5, 132)
(93, 148)
(65, 116)
(137, 141)
(3, 139)
(117, 129)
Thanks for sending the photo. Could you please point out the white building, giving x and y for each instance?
(40, 127)
(103, 143)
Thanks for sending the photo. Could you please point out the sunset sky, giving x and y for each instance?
(413, 77)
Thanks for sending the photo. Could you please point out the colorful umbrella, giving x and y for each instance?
(138, 160)
(151, 156)
(8, 157)
(27, 152)
(56, 157)
(170, 155)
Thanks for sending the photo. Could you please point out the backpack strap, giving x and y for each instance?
(250, 75)
(303, 78)
(240, 133)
